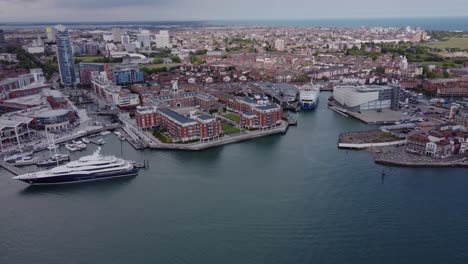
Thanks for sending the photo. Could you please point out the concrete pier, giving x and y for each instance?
(12, 169)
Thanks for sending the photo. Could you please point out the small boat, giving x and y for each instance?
(81, 146)
(86, 140)
(14, 157)
(117, 133)
(51, 147)
(104, 133)
(54, 160)
(75, 147)
(77, 141)
(100, 141)
(25, 161)
(122, 137)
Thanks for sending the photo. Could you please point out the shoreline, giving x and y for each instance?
(217, 143)
(398, 157)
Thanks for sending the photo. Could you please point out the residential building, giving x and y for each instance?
(163, 39)
(128, 76)
(65, 58)
(210, 128)
(50, 34)
(125, 39)
(279, 45)
(23, 85)
(147, 117)
(112, 93)
(461, 119)
(86, 69)
(116, 34)
(144, 38)
(179, 127)
(416, 144)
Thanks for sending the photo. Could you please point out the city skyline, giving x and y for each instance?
(163, 10)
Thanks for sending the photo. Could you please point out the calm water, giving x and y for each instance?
(282, 199)
(430, 23)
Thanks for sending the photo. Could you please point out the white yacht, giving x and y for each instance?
(88, 168)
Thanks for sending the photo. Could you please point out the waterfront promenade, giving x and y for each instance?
(397, 156)
(226, 139)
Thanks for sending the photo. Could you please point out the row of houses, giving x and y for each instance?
(439, 144)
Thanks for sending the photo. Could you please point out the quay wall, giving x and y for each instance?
(370, 145)
(221, 141)
(459, 164)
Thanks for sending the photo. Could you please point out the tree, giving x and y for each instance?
(380, 70)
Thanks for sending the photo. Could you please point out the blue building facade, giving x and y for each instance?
(65, 58)
(128, 76)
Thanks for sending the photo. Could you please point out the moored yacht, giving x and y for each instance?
(88, 168)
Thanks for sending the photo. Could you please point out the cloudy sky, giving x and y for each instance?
(156, 10)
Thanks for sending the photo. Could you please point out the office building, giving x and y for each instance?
(144, 38)
(116, 34)
(65, 58)
(163, 39)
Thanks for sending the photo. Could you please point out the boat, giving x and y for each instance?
(77, 141)
(88, 168)
(309, 96)
(25, 161)
(100, 141)
(51, 147)
(75, 147)
(117, 133)
(104, 133)
(16, 156)
(54, 160)
(122, 137)
(86, 140)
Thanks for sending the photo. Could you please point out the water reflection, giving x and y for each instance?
(101, 187)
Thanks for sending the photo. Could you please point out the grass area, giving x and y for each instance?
(89, 59)
(230, 129)
(232, 116)
(371, 136)
(460, 43)
(163, 138)
(386, 137)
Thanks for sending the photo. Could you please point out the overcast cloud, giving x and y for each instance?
(138, 10)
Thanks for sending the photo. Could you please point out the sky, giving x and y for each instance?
(187, 10)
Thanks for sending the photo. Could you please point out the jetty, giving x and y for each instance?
(9, 167)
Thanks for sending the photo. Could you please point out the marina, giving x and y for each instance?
(316, 201)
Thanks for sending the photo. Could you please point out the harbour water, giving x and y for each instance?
(293, 198)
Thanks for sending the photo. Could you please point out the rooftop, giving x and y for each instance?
(175, 116)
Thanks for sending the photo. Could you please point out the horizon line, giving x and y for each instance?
(233, 20)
